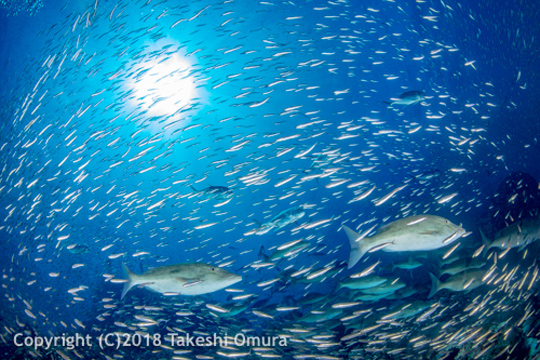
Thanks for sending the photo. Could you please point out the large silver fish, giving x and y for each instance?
(215, 192)
(281, 220)
(413, 233)
(519, 234)
(464, 281)
(182, 279)
(408, 98)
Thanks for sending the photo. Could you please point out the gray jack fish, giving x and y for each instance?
(413, 233)
(181, 279)
(408, 98)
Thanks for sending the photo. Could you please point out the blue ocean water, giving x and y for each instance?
(244, 135)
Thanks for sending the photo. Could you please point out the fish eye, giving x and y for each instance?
(213, 268)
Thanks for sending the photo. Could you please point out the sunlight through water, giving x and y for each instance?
(162, 87)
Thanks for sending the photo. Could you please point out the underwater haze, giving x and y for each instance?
(278, 179)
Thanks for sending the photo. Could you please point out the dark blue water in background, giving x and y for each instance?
(91, 156)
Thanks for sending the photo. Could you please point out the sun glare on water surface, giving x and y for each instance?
(162, 86)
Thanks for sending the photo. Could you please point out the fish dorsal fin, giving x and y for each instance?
(384, 228)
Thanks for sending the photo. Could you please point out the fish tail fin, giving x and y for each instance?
(262, 254)
(387, 102)
(435, 285)
(438, 269)
(130, 280)
(485, 241)
(191, 186)
(358, 248)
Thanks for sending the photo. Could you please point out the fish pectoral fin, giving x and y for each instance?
(522, 246)
(192, 282)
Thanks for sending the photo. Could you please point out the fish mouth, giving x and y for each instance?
(455, 236)
(234, 279)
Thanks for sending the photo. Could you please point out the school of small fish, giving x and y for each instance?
(301, 170)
